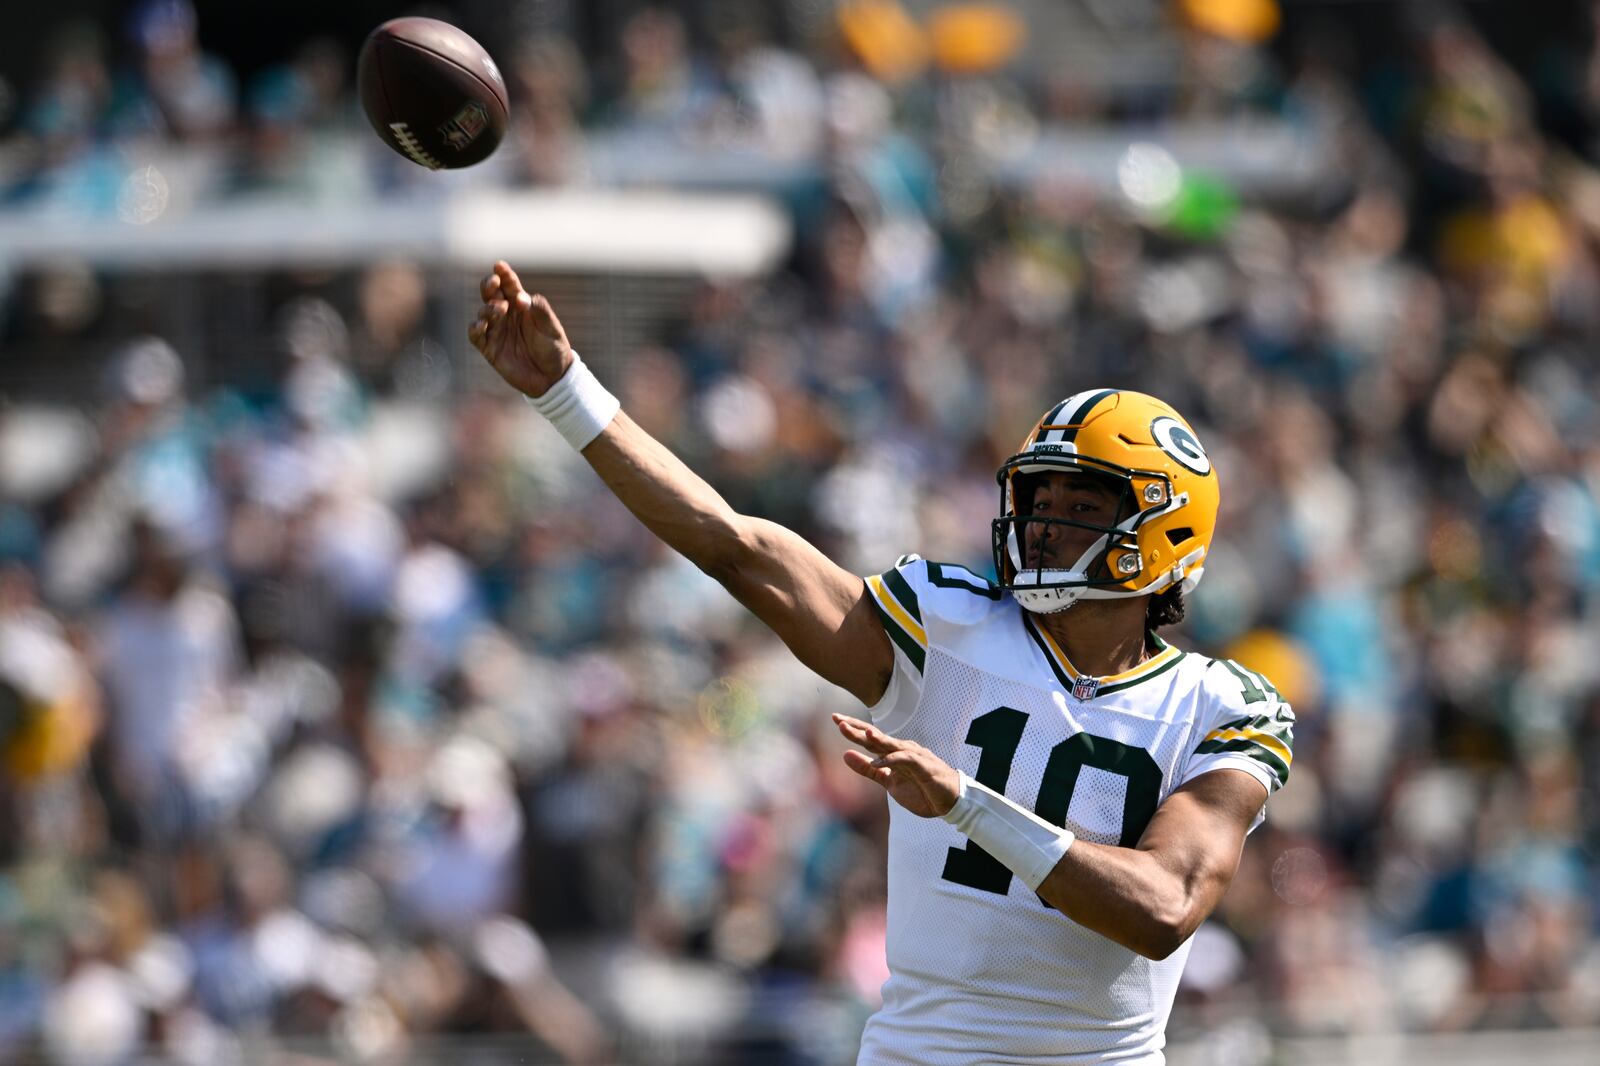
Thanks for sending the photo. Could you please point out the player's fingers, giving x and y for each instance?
(545, 317)
(852, 729)
(862, 734)
(490, 315)
(878, 775)
(861, 764)
(897, 760)
(510, 284)
(488, 287)
(867, 735)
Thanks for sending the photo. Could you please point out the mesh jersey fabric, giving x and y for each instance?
(982, 971)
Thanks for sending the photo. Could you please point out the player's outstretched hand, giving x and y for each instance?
(519, 334)
(914, 777)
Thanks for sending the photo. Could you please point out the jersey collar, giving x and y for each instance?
(1164, 659)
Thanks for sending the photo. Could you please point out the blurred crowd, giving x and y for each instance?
(343, 703)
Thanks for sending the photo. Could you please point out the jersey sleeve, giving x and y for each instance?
(1249, 727)
(897, 594)
(923, 605)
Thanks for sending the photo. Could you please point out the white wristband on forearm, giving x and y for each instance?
(1026, 844)
(577, 405)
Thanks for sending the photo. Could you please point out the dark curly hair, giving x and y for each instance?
(1165, 609)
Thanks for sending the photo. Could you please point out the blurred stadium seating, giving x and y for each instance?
(344, 717)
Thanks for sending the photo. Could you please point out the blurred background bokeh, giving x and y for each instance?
(345, 717)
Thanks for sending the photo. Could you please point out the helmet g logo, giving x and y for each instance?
(1174, 438)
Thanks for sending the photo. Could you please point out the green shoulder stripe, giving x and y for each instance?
(1253, 693)
(897, 633)
(1261, 679)
(902, 591)
(951, 576)
(1253, 750)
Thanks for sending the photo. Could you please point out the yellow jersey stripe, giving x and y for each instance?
(1055, 651)
(1166, 655)
(1149, 665)
(895, 611)
(1266, 740)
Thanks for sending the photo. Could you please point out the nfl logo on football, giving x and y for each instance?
(465, 127)
(1084, 688)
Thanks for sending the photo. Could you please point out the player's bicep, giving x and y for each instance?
(1198, 834)
(823, 612)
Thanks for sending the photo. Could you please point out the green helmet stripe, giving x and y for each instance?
(1082, 412)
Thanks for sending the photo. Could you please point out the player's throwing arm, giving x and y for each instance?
(820, 610)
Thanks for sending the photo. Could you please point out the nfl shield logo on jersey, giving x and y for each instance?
(1084, 688)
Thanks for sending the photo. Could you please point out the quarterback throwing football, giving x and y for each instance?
(1071, 794)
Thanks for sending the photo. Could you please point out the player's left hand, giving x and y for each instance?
(914, 777)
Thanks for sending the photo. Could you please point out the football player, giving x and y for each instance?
(1071, 794)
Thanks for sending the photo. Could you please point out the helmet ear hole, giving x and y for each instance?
(1177, 536)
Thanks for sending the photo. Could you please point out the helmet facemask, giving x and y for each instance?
(1043, 580)
(1101, 571)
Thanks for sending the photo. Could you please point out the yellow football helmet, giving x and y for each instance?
(1164, 521)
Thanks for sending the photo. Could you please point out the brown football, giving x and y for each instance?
(432, 93)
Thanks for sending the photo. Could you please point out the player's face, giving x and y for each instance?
(1072, 496)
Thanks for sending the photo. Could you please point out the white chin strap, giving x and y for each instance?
(1058, 589)
(1058, 597)
(1048, 600)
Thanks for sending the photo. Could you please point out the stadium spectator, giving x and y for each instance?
(269, 606)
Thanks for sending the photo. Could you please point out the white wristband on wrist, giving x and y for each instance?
(1026, 844)
(577, 405)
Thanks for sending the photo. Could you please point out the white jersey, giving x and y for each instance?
(982, 970)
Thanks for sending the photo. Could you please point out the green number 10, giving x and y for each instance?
(997, 735)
